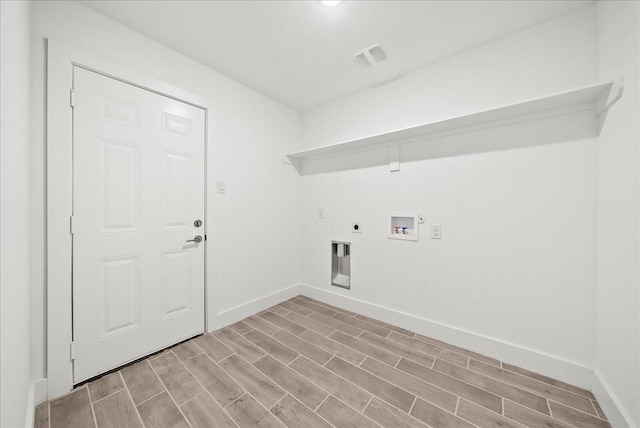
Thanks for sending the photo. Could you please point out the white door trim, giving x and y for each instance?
(61, 59)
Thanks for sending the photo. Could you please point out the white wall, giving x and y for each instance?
(618, 286)
(517, 258)
(14, 216)
(246, 244)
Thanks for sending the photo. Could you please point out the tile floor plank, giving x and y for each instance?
(529, 417)
(176, 378)
(458, 350)
(385, 325)
(283, 323)
(453, 385)
(388, 416)
(296, 308)
(141, 381)
(550, 381)
(343, 416)
(72, 410)
(373, 384)
(429, 349)
(575, 417)
(240, 327)
(336, 348)
(253, 380)
(279, 310)
(412, 384)
(335, 385)
(398, 349)
(161, 412)
(599, 410)
(246, 349)
(366, 348)
(544, 389)
(366, 326)
(104, 386)
(186, 350)
(436, 417)
(262, 325)
(290, 381)
(315, 307)
(517, 395)
(293, 413)
(303, 347)
(204, 412)
(117, 410)
(272, 347)
(310, 324)
(220, 385)
(482, 417)
(215, 349)
(337, 324)
(335, 308)
(247, 412)
(41, 418)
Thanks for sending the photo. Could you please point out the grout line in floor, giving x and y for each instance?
(131, 398)
(106, 396)
(93, 413)
(367, 405)
(169, 393)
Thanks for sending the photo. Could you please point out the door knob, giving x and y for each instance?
(197, 239)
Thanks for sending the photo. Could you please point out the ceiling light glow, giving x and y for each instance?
(330, 3)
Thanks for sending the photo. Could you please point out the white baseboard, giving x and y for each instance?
(245, 310)
(548, 365)
(37, 395)
(610, 404)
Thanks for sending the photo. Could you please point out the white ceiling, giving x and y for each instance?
(301, 52)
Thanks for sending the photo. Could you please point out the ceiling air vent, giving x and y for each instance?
(371, 56)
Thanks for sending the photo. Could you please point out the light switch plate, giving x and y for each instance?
(436, 231)
(221, 186)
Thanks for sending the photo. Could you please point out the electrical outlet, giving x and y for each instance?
(356, 227)
(436, 231)
(221, 186)
(320, 212)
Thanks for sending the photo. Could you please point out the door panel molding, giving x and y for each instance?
(61, 59)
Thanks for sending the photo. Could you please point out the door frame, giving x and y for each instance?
(61, 59)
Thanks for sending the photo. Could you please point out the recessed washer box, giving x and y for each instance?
(404, 226)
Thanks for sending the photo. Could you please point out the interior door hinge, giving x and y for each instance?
(72, 98)
(71, 225)
(72, 350)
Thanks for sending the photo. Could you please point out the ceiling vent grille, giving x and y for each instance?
(372, 55)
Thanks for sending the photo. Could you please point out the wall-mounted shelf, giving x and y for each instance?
(593, 100)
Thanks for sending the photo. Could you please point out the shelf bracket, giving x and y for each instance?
(394, 157)
(608, 100)
(285, 160)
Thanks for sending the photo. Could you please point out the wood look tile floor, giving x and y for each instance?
(304, 363)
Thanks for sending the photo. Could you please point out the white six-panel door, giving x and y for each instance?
(138, 165)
